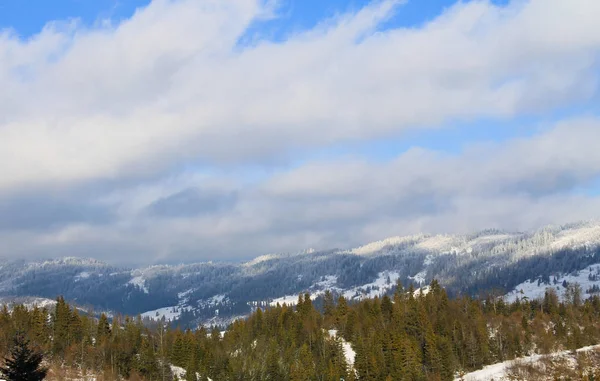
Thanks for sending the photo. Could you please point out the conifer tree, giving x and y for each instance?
(328, 306)
(103, 327)
(23, 364)
(61, 319)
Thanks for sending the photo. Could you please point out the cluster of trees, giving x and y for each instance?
(405, 336)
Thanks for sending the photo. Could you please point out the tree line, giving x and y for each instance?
(407, 335)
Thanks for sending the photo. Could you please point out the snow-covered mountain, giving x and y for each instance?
(216, 293)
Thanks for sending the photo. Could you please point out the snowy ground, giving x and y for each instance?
(385, 281)
(349, 353)
(28, 302)
(497, 372)
(179, 373)
(170, 313)
(139, 282)
(533, 289)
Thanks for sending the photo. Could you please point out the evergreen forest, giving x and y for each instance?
(407, 335)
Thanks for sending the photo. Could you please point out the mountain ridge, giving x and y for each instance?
(201, 292)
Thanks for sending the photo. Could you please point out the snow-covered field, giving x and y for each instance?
(497, 372)
(534, 289)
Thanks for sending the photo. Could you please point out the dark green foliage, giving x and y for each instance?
(23, 363)
(412, 336)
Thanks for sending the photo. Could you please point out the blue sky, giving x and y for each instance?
(29, 17)
(200, 126)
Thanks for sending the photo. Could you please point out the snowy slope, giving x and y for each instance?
(384, 282)
(28, 302)
(535, 288)
(497, 372)
(169, 313)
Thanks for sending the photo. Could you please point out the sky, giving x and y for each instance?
(173, 131)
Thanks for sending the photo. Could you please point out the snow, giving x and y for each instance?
(349, 353)
(139, 282)
(419, 277)
(217, 321)
(28, 302)
(213, 301)
(385, 281)
(178, 372)
(375, 247)
(438, 243)
(185, 294)
(532, 290)
(327, 282)
(374, 289)
(577, 237)
(498, 371)
(262, 258)
(424, 290)
(82, 275)
(290, 300)
(218, 299)
(170, 313)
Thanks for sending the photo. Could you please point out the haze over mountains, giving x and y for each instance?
(215, 292)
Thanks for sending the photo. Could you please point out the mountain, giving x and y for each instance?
(215, 293)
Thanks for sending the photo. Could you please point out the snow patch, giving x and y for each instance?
(184, 294)
(374, 247)
(28, 302)
(535, 289)
(178, 372)
(385, 281)
(290, 300)
(169, 313)
(349, 353)
(419, 277)
(497, 371)
(217, 321)
(139, 282)
(82, 275)
(327, 282)
(425, 290)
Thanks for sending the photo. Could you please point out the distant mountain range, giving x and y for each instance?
(215, 293)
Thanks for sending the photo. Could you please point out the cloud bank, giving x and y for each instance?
(164, 138)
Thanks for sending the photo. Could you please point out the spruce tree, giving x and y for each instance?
(23, 363)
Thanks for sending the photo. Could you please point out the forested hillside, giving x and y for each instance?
(217, 293)
(409, 336)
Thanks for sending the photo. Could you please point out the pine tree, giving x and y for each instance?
(103, 327)
(272, 371)
(387, 308)
(23, 364)
(328, 306)
(61, 318)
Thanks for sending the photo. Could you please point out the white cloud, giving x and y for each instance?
(130, 103)
(171, 84)
(516, 185)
